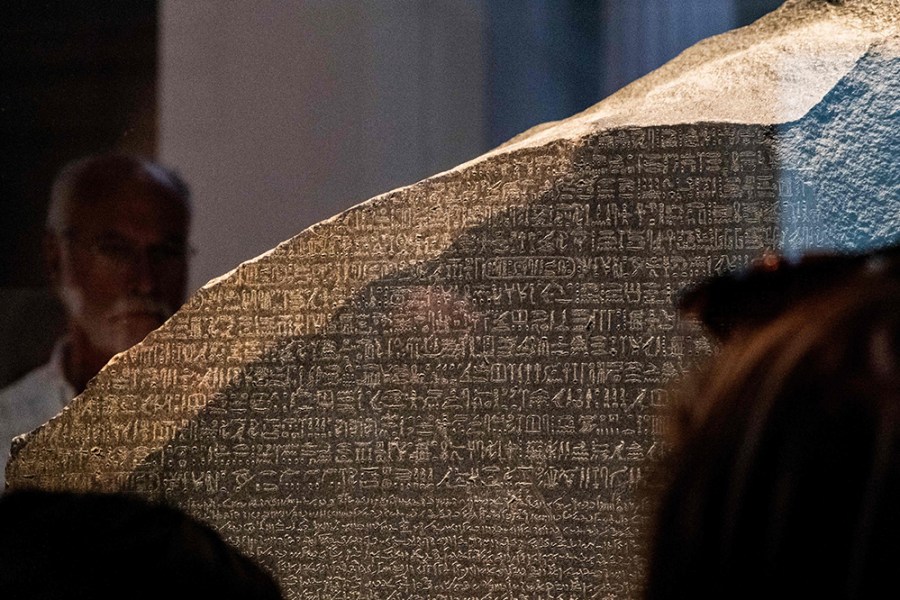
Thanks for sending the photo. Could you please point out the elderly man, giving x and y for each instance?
(116, 254)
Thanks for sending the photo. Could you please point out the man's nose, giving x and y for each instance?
(144, 274)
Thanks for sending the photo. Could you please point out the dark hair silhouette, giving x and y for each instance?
(56, 545)
(784, 480)
(748, 299)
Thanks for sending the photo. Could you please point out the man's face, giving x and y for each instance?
(120, 266)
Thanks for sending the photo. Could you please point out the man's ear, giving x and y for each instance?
(52, 248)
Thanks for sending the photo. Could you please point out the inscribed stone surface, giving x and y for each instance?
(451, 391)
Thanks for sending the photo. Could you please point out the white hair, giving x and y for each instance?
(105, 172)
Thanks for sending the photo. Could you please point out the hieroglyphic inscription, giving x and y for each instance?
(476, 423)
(475, 418)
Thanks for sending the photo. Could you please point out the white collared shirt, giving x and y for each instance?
(32, 401)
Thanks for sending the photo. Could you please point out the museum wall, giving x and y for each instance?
(282, 114)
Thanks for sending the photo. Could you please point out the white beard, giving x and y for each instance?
(115, 329)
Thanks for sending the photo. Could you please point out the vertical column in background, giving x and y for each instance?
(544, 61)
(549, 59)
(642, 35)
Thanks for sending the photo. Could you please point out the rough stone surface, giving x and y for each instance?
(450, 391)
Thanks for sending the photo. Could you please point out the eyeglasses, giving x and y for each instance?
(761, 293)
(117, 254)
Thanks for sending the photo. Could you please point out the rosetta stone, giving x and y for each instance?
(453, 390)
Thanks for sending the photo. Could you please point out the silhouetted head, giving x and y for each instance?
(745, 300)
(784, 480)
(56, 545)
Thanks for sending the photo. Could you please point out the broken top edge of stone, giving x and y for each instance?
(814, 30)
(690, 87)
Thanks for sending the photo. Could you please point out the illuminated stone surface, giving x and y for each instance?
(450, 391)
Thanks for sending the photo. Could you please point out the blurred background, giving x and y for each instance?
(280, 113)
